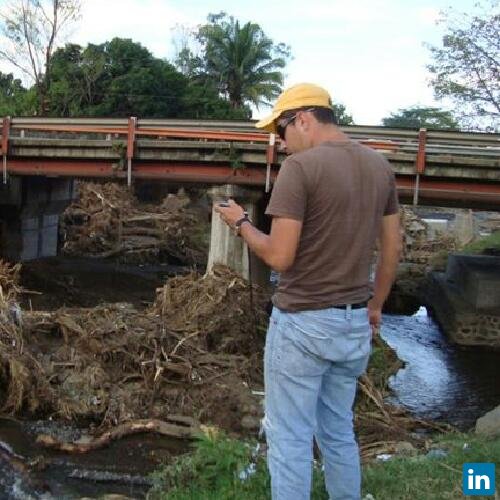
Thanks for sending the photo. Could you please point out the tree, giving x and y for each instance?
(122, 78)
(31, 30)
(466, 67)
(343, 117)
(239, 61)
(422, 116)
(12, 94)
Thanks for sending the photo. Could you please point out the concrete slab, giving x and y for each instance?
(477, 279)
(463, 324)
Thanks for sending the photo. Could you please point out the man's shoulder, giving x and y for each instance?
(311, 154)
(331, 149)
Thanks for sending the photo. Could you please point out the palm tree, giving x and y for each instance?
(244, 63)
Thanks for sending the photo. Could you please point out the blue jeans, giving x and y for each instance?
(311, 364)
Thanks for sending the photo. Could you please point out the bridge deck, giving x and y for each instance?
(450, 165)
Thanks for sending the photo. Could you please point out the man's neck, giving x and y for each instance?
(328, 133)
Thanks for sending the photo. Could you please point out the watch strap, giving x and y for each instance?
(239, 222)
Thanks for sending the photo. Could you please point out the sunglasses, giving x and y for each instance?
(281, 126)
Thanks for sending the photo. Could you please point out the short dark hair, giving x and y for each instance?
(323, 115)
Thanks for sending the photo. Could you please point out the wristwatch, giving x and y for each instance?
(239, 222)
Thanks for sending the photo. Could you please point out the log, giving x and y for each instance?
(133, 427)
(142, 231)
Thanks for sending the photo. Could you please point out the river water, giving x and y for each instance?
(439, 381)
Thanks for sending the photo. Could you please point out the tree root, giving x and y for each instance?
(133, 427)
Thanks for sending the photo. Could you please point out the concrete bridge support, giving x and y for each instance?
(225, 247)
(29, 216)
(466, 299)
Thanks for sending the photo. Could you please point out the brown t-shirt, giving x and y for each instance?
(341, 191)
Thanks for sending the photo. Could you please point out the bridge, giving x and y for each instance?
(42, 156)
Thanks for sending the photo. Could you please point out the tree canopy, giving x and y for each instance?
(240, 61)
(236, 66)
(465, 68)
(122, 78)
(12, 95)
(421, 117)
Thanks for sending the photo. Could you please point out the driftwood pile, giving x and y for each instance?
(112, 364)
(108, 221)
(16, 367)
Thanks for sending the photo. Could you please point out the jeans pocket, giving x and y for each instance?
(299, 352)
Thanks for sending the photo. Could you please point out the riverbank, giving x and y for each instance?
(221, 468)
(192, 357)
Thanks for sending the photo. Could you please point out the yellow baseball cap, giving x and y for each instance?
(298, 96)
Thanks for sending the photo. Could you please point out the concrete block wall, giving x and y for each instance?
(29, 216)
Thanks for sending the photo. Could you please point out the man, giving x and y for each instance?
(331, 200)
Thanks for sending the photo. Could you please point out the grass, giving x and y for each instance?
(215, 469)
(477, 247)
(422, 478)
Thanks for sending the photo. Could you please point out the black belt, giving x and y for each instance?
(359, 305)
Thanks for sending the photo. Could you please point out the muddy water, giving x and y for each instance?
(439, 381)
(74, 282)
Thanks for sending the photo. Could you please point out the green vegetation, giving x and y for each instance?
(422, 116)
(477, 247)
(237, 65)
(423, 478)
(218, 469)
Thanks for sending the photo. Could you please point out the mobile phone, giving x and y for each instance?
(224, 204)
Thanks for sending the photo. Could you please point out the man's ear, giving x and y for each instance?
(302, 121)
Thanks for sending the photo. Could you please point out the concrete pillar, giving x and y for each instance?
(464, 226)
(225, 247)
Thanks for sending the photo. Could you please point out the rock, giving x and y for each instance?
(404, 448)
(489, 424)
(250, 422)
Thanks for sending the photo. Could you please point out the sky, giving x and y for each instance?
(369, 54)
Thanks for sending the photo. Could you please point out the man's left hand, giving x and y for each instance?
(231, 214)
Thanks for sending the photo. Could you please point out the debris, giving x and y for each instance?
(436, 453)
(108, 221)
(113, 364)
(248, 471)
(419, 245)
